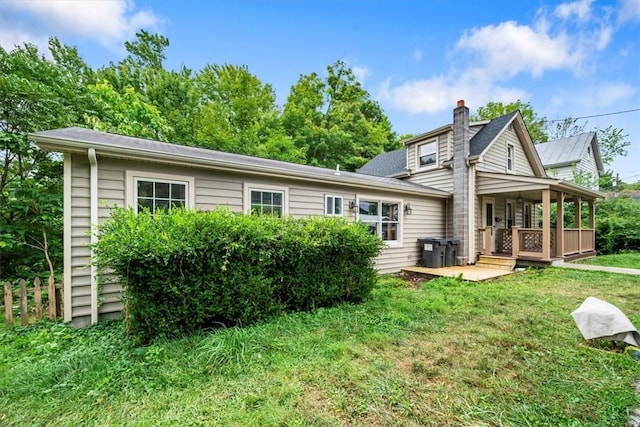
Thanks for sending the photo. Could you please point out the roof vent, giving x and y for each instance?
(337, 172)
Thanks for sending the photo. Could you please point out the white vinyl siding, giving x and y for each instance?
(495, 159)
(441, 179)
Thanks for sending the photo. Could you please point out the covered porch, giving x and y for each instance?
(538, 220)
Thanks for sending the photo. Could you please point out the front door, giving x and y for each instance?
(488, 215)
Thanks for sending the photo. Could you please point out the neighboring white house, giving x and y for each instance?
(475, 182)
(575, 158)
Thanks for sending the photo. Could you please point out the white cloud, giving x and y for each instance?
(581, 9)
(417, 55)
(361, 73)
(486, 61)
(439, 93)
(629, 11)
(107, 21)
(508, 49)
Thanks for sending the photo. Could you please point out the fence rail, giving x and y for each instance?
(30, 301)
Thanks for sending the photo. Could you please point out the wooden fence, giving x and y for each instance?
(30, 301)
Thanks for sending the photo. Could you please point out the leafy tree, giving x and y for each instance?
(238, 113)
(35, 94)
(618, 225)
(557, 129)
(172, 93)
(613, 142)
(335, 121)
(125, 113)
(535, 125)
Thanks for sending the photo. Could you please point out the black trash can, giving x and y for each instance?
(433, 252)
(451, 253)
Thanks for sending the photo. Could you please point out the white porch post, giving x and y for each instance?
(546, 225)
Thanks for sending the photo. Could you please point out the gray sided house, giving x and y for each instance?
(575, 158)
(103, 170)
(480, 183)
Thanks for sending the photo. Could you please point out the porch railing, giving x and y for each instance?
(579, 240)
(527, 242)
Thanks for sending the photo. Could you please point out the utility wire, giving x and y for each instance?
(595, 115)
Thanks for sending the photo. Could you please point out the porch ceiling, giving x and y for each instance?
(529, 187)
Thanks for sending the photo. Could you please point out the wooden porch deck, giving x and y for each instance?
(469, 272)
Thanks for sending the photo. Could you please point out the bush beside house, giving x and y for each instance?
(186, 270)
(618, 225)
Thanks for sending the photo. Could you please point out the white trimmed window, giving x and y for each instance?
(159, 191)
(333, 205)
(265, 200)
(383, 218)
(511, 161)
(427, 154)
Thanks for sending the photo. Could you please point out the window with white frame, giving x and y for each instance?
(427, 154)
(383, 218)
(333, 205)
(267, 202)
(510, 158)
(156, 194)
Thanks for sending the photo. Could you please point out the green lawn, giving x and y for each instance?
(504, 352)
(625, 260)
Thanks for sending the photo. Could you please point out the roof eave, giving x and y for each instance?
(68, 145)
(426, 135)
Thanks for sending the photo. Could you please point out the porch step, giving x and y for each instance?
(497, 262)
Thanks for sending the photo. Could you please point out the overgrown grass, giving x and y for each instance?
(624, 259)
(449, 352)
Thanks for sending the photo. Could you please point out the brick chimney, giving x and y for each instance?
(461, 202)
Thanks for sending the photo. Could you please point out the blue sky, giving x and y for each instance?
(416, 58)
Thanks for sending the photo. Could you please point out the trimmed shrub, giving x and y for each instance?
(186, 270)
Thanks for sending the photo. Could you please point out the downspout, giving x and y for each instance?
(93, 186)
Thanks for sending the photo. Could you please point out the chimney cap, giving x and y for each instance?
(460, 103)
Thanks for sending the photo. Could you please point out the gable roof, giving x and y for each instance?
(393, 163)
(75, 139)
(489, 132)
(386, 164)
(569, 150)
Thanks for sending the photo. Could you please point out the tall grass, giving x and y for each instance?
(447, 352)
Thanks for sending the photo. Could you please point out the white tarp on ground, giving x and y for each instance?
(599, 319)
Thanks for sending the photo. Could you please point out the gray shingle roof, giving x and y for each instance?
(394, 162)
(114, 144)
(488, 133)
(564, 150)
(386, 164)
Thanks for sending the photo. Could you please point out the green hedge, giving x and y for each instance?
(617, 225)
(186, 270)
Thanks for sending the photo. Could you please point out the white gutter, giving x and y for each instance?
(93, 186)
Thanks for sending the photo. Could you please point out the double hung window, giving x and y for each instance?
(427, 154)
(333, 205)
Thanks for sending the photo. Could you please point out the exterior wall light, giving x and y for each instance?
(407, 209)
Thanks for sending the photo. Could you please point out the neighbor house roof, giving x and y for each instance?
(75, 139)
(386, 164)
(570, 150)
